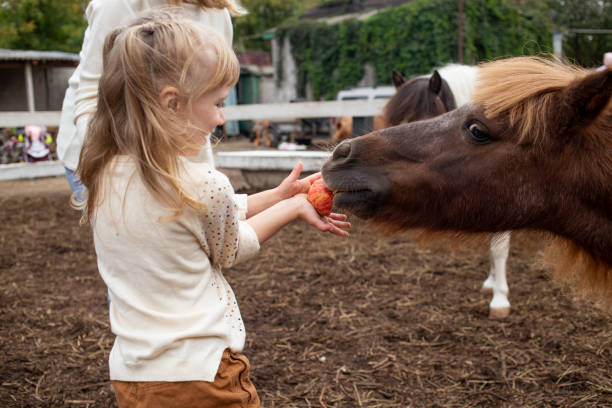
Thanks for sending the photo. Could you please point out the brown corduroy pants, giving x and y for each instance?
(232, 388)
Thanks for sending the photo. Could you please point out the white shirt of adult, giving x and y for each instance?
(80, 100)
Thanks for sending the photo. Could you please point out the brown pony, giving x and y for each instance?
(344, 127)
(426, 96)
(533, 151)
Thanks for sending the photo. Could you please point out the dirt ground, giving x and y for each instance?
(367, 321)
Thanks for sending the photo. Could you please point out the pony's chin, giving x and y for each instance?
(362, 203)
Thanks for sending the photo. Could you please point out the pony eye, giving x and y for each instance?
(478, 132)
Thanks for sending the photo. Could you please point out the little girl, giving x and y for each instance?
(164, 226)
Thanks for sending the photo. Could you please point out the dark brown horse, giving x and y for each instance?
(533, 151)
(426, 97)
(417, 99)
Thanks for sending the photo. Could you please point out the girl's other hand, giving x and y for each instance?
(291, 186)
(334, 223)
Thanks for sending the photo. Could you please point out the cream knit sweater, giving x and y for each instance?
(171, 309)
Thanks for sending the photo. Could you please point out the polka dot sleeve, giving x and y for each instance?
(220, 224)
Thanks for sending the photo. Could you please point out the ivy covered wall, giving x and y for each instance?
(412, 38)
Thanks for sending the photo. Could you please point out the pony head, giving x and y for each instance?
(532, 151)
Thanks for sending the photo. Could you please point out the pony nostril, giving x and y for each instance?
(342, 151)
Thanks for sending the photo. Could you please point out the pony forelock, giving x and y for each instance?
(524, 89)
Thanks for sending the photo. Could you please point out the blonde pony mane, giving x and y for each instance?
(524, 88)
(575, 268)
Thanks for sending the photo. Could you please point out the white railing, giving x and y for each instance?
(253, 161)
(273, 111)
(20, 119)
(288, 111)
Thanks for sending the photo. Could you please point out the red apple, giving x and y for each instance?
(321, 198)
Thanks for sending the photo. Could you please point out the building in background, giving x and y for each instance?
(34, 80)
(331, 12)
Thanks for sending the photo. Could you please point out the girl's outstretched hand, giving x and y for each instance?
(334, 223)
(291, 185)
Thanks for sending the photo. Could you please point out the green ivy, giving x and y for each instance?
(412, 38)
(500, 28)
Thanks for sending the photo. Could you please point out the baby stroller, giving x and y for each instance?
(37, 145)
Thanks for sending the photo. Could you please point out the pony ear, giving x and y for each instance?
(435, 82)
(397, 78)
(586, 98)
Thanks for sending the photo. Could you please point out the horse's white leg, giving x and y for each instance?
(487, 285)
(499, 307)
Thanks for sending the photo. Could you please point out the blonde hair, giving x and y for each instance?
(139, 61)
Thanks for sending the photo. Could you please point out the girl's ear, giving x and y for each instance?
(169, 99)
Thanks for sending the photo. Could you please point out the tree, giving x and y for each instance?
(42, 24)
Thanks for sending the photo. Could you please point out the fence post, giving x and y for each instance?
(29, 86)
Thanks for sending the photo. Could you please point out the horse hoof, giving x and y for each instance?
(499, 312)
(486, 291)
